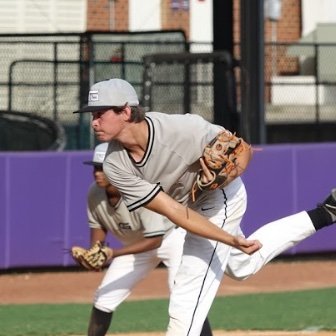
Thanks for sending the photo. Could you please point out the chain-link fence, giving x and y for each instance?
(39, 74)
(50, 75)
(300, 92)
(300, 82)
(184, 83)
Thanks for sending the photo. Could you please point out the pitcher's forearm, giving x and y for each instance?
(189, 219)
(195, 223)
(199, 225)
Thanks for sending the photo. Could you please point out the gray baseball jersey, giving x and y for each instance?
(128, 227)
(170, 162)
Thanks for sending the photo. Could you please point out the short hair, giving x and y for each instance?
(137, 112)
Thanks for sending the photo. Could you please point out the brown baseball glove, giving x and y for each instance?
(224, 158)
(93, 259)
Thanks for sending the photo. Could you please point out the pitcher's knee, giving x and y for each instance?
(240, 274)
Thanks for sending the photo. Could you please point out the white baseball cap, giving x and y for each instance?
(108, 93)
(98, 155)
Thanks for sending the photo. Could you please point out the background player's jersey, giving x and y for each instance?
(170, 162)
(125, 226)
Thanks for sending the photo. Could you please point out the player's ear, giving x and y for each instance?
(127, 113)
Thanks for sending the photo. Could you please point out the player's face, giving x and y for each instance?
(100, 177)
(107, 124)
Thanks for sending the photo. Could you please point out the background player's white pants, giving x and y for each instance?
(126, 271)
(204, 261)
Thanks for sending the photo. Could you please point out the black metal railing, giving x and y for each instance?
(50, 75)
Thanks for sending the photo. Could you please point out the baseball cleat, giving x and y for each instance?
(329, 204)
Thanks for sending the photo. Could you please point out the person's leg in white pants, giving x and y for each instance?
(204, 262)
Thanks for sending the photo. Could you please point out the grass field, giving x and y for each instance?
(307, 311)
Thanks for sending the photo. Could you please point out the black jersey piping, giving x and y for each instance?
(146, 199)
(155, 234)
(151, 133)
(211, 259)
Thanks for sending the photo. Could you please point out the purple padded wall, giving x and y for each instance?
(43, 199)
(43, 207)
(284, 179)
(4, 187)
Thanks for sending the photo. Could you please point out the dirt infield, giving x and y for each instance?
(247, 333)
(79, 287)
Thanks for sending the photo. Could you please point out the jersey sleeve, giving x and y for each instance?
(122, 174)
(93, 218)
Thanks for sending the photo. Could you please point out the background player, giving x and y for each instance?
(153, 160)
(147, 238)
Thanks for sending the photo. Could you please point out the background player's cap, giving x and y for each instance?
(98, 155)
(108, 93)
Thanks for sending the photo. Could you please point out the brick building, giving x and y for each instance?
(106, 15)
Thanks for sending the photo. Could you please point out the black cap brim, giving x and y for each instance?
(92, 109)
(92, 163)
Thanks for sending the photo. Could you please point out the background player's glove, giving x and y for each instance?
(93, 259)
(224, 158)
